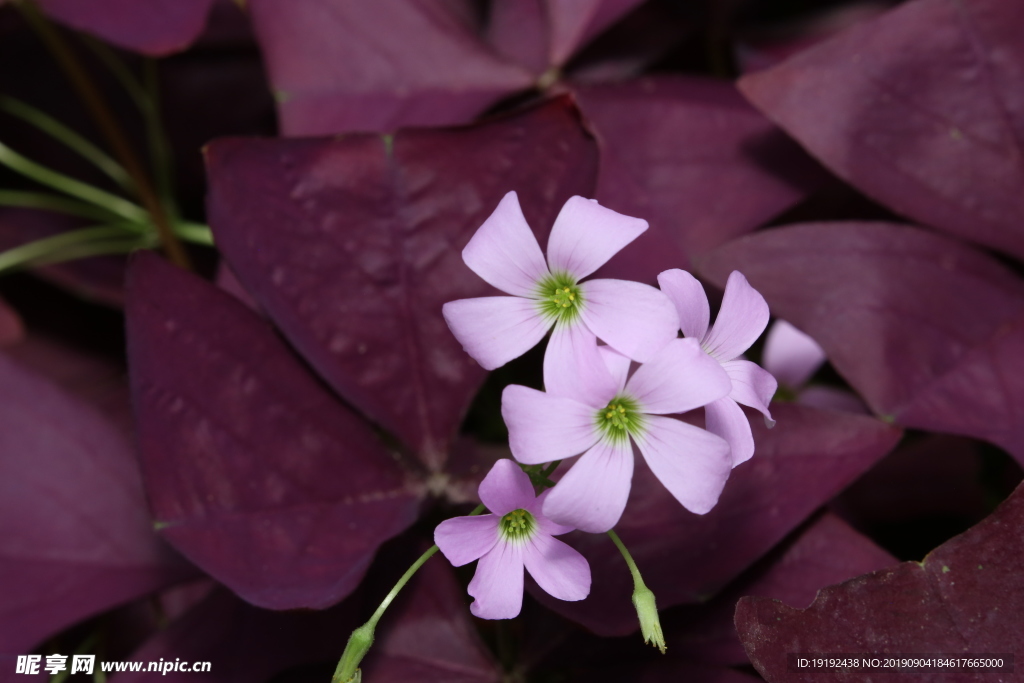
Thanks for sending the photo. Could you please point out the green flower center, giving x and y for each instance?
(619, 418)
(517, 525)
(560, 297)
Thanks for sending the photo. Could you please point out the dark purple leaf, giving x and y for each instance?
(694, 160)
(826, 552)
(921, 110)
(254, 471)
(805, 460)
(154, 27)
(352, 245)
(930, 332)
(967, 596)
(75, 535)
(539, 34)
(341, 65)
(11, 327)
(426, 635)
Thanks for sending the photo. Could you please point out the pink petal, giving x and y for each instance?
(752, 386)
(504, 251)
(574, 368)
(506, 488)
(464, 539)
(545, 524)
(561, 571)
(790, 355)
(586, 235)
(741, 320)
(618, 366)
(692, 464)
(725, 418)
(687, 295)
(498, 582)
(592, 495)
(634, 319)
(680, 377)
(543, 427)
(495, 329)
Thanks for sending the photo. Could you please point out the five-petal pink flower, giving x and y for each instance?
(633, 318)
(692, 463)
(741, 320)
(515, 536)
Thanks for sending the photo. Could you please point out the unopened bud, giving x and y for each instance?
(358, 645)
(647, 610)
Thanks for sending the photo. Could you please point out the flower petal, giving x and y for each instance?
(725, 418)
(543, 427)
(561, 571)
(680, 377)
(636, 320)
(790, 355)
(687, 294)
(545, 524)
(495, 329)
(464, 539)
(618, 366)
(498, 582)
(592, 495)
(741, 320)
(574, 368)
(504, 252)
(585, 235)
(692, 463)
(752, 386)
(506, 488)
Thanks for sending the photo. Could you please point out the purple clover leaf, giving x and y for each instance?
(515, 535)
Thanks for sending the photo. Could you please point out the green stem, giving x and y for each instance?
(638, 581)
(362, 638)
(105, 239)
(68, 137)
(197, 233)
(112, 203)
(51, 202)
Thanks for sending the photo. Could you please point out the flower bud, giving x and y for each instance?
(647, 610)
(358, 645)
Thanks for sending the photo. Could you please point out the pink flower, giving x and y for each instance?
(515, 536)
(741, 320)
(792, 357)
(691, 463)
(632, 318)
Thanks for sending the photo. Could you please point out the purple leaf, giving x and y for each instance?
(694, 160)
(11, 327)
(826, 552)
(804, 461)
(352, 245)
(75, 535)
(930, 332)
(254, 471)
(920, 109)
(967, 596)
(341, 65)
(574, 22)
(155, 27)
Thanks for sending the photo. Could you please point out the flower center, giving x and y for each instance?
(620, 417)
(560, 296)
(517, 525)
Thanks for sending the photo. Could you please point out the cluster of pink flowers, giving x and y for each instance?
(615, 370)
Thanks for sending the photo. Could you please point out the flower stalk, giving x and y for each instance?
(643, 599)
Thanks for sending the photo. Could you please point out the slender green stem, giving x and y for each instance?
(197, 233)
(159, 147)
(68, 137)
(75, 244)
(362, 638)
(52, 202)
(550, 469)
(111, 202)
(108, 125)
(637, 579)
